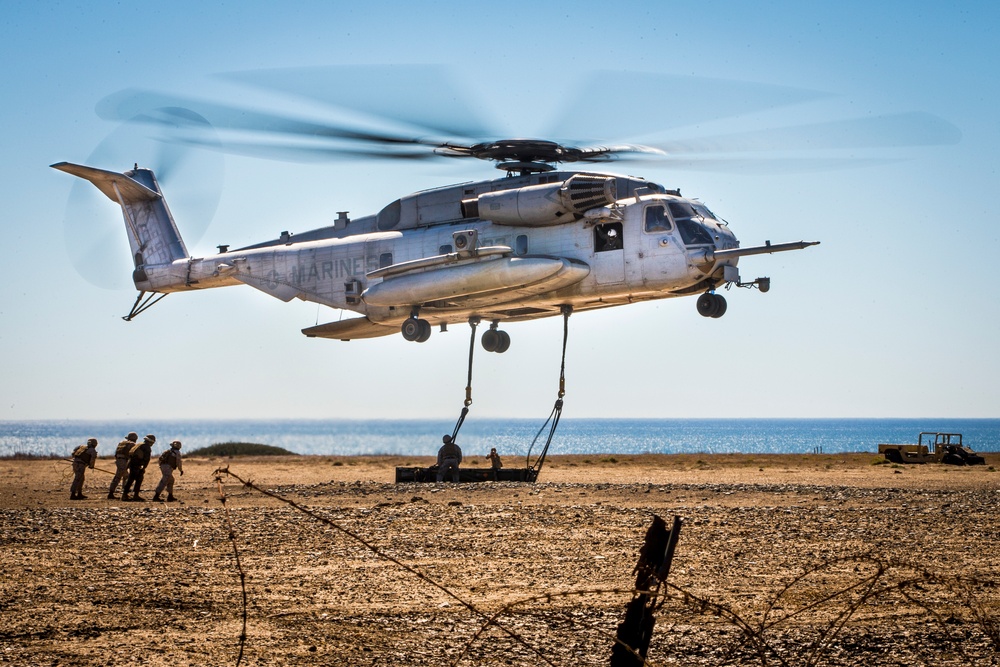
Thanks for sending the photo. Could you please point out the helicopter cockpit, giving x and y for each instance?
(690, 218)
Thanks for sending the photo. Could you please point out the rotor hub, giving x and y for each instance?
(526, 156)
(524, 168)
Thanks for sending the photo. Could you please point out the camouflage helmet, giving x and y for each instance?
(92, 441)
(132, 436)
(176, 444)
(150, 438)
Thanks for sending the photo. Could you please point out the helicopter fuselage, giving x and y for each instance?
(508, 249)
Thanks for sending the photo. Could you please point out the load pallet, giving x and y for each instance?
(932, 447)
(527, 474)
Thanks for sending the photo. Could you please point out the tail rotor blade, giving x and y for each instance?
(94, 231)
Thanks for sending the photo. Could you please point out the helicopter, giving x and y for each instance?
(540, 241)
(545, 239)
(525, 246)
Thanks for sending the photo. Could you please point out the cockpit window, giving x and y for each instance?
(657, 220)
(692, 232)
(703, 211)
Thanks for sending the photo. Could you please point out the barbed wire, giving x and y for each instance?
(385, 556)
(239, 566)
(877, 580)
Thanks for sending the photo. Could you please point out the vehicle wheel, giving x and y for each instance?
(425, 331)
(953, 459)
(490, 340)
(411, 329)
(504, 343)
(720, 306)
(706, 304)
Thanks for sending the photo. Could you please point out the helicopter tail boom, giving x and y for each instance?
(152, 234)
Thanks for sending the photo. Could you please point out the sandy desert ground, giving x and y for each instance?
(503, 573)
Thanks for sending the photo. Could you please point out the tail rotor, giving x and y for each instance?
(192, 177)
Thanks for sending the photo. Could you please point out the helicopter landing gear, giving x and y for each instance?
(711, 305)
(415, 329)
(495, 340)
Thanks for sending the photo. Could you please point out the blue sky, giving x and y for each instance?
(892, 316)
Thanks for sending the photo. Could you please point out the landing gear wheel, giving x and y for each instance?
(504, 343)
(416, 330)
(720, 306)
(711, 305)
(491, 340)
(425, 331)
(706, 304)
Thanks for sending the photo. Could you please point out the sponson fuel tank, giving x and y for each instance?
(475, 278)
(543, 205)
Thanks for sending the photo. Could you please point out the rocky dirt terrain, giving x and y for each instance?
(884, 564)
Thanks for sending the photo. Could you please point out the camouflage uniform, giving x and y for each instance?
(449, 457)
(81, 461)
(169, 460)
(138, 459)
(495, 463)
(121, 463)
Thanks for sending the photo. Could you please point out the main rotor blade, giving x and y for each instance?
(889, 131)
(424, 96)
(292, 152)
(638, 103)
(160, 109)
(761, 165)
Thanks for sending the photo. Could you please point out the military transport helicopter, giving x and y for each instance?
(537, 242)
(540, 241)
(505, 250)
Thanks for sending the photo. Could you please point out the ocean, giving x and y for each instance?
(511, 437)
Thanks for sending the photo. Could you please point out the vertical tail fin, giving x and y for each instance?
(152, 234)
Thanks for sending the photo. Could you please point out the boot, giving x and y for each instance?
(157, 499)
(80, 496)
(137, 499)
(125, 496)
(171, 499)
(112, 496)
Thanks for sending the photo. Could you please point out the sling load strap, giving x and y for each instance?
(554, 419)
(566, 311)
(458, 425)
(473, 322)
(556, 413)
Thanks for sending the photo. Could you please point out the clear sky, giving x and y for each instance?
(893, 315)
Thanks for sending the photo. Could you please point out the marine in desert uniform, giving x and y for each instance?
(138, 459)
(84, 456)
(495, 462)
(170, 460)
(121, 462)
(449, 458)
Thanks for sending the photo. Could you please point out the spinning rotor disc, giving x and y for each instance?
(436, 121)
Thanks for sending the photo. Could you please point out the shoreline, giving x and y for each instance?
(49, 478)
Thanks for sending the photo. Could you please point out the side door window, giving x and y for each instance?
(608, 237)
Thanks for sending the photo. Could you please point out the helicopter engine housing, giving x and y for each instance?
(544, 205)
